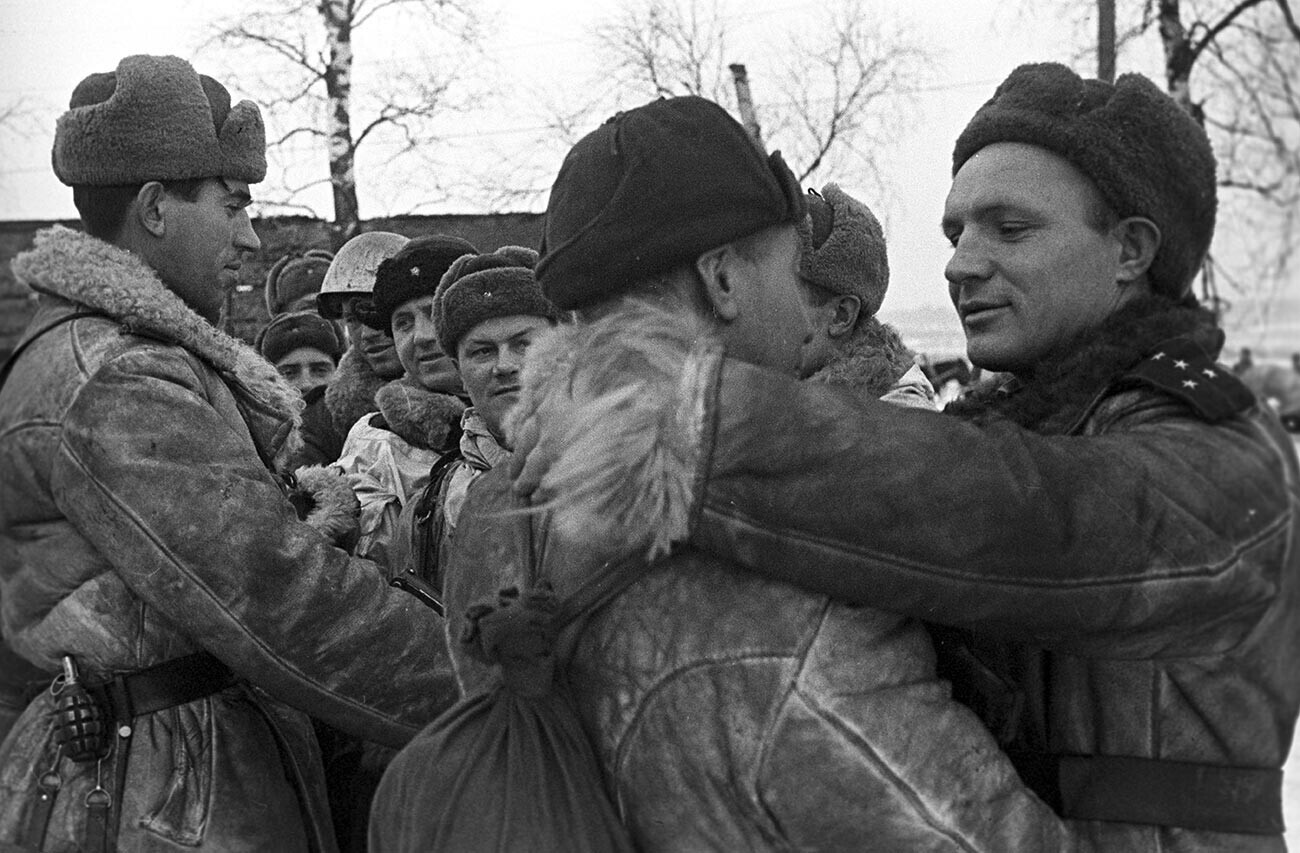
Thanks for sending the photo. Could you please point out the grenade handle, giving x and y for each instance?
(70, 673)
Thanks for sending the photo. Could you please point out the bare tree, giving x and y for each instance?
(669, 47)
(843, 90)
(1245, 55)
(314, 95)
(826, 104)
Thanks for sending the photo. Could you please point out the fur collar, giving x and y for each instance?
(622, 398)
(82, 269)
(351, 393)
(1063, 388)
(422, 418)
(871, 359)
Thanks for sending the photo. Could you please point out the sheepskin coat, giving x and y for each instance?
(729, 712)
(387, 457)
(140, 521)
(1128, 562)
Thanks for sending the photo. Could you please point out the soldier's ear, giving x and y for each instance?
(845, 316)
(719, 279)
(148, 209)
(1139, 240)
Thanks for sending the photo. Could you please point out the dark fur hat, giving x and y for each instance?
(1146, 155)
(288, 332)
(478, 287)
(652, 188)
(414, 271)
(156, 119)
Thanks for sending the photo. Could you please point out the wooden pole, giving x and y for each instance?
(745, 103)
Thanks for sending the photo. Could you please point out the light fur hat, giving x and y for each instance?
(843, 248)
(156, 119)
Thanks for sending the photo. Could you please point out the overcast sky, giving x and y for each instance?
(46, 46)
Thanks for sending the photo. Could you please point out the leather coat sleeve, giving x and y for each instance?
(1164, 537)
(171, 490)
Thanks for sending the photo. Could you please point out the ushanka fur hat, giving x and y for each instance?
(294, 277)
(297, 329)
(479, 287)
(652, 188)
(414, 271)
(1146, 155)
(844, 248)
(156, 119)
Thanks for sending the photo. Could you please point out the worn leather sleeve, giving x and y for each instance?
(169, 487)
(1165, 536)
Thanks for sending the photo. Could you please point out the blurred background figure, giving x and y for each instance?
(304, 347)
(844, 273)
(293, 282)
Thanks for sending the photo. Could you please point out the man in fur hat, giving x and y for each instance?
(1117, 528)
(150, 553)
(487, 311)
(844, 273)
(387, 455)
(727, 712)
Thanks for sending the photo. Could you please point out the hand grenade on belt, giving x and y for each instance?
(81, 724)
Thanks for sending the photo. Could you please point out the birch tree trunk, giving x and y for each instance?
(338, 16)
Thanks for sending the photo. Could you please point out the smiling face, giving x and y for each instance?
(416, 342)
(202, 243)
(489, 357)
(375, 346)
(1035, 261)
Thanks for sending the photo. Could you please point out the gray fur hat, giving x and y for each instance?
(844, 248)
(156, 119)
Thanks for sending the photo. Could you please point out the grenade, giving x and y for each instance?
(81, 726)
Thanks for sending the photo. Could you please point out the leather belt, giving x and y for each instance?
(1190, 795)
(165, 685)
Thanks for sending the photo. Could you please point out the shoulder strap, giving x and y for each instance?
(8, 366)
(1182, 369)
(427, 521)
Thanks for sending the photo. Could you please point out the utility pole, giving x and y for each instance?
(745, 103)
(1106, 40)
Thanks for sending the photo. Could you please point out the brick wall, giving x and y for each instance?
(280, 236)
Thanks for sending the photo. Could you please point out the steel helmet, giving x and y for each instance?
(352, 272)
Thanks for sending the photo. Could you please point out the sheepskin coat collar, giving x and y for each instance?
(422, 418)
(1063, 388)
(623, 398)
(108, 280)
(870, 359)
(350, 395)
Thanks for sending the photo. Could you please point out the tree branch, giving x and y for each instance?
(1212, 32)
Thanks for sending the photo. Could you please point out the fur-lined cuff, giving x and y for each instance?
(334, 510)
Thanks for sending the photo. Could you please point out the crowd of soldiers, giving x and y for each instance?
(671, 454)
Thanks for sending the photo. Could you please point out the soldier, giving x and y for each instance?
(150, 553)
